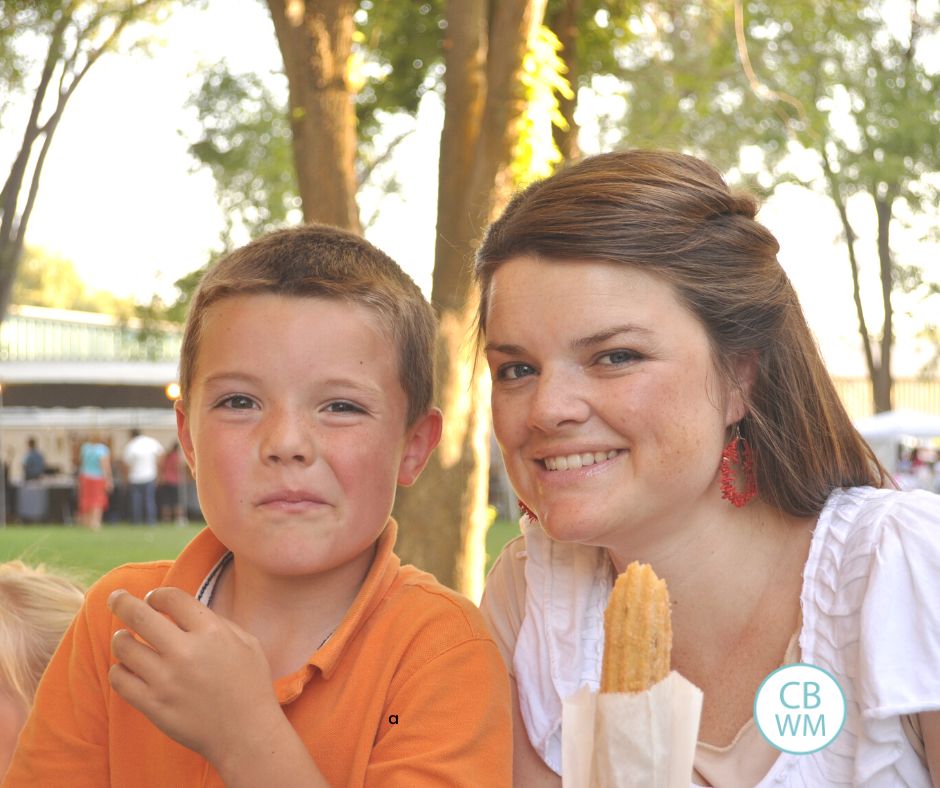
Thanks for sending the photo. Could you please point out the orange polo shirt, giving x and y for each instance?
(410, 690)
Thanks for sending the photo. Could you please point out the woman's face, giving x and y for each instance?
(608, 409)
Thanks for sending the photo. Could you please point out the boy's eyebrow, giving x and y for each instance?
(353, 384)
(222, 377)
(582, 342)
(225, 377)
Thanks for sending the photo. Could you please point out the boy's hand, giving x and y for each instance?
(198, 677)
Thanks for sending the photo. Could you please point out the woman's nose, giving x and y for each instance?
(559, 397)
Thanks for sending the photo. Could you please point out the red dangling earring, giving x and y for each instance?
(732, 464)
(526, 511)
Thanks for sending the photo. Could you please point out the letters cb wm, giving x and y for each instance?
(799, 708)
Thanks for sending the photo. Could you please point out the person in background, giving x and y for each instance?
(658, 397)
(142, 455)
(168, 486)
(94, 481)
(34, 464)
(36, 607)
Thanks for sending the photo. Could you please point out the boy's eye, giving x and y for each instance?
(343, 406)
(237, 402)
(514, 371)
(617, 357)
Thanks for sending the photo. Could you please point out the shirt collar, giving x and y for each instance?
(201, 559)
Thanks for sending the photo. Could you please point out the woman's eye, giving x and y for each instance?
(237, 402)
(514, 371)
(342, 406)
(617, 357)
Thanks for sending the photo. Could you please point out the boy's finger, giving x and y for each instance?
(129, 686)
(137, 657)
(139, 617)
(188, 613)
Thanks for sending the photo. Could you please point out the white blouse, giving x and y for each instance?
(871, 617)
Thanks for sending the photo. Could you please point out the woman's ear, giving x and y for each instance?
(744, 370)
(420, 440)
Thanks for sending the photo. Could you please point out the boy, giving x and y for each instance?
(307, 380)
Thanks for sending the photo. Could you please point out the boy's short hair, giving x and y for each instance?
(319, 261)
(36, 607)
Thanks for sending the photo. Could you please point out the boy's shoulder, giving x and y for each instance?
(137, 578)
(423, 591)
(419, 601)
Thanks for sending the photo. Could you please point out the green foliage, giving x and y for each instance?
(543, 80)
(245, 139)
(604, 28)
(399, 57)
(51, 281)
(246, 144)
(845, 81)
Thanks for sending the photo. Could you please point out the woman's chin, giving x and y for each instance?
(564, 528)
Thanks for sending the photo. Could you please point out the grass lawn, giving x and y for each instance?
(501, 531)
(89, 555)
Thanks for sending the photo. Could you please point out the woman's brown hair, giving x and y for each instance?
(673, 216)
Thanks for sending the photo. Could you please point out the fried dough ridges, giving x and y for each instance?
(638, 632)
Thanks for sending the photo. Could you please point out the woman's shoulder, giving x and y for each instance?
(863, 518)
(503, 602)
(869, 620)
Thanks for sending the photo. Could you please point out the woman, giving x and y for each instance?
(95, 482)
(658, 396)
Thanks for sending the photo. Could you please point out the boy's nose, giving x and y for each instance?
(558, 398)
(287, 438)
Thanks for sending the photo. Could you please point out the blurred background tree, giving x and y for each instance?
(73, 35)
(51, 281)
(838, 96)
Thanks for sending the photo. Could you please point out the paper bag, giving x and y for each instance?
(631, 739)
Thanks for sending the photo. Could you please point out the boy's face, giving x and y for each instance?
(295, 431)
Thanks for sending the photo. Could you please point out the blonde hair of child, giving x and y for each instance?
(36, 607)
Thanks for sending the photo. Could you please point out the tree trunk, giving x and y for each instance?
(883, 383)
(483, 100)
(878, 371)
(315, 38)
(12, 222)
(564, 24)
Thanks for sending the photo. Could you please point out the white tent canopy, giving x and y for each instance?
(900, 424)
(886, 431)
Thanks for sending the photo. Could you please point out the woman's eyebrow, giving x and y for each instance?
(577, 344)
(609, 333)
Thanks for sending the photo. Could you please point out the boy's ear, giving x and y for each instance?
(745, 373)
(186, 440)
(420, 440)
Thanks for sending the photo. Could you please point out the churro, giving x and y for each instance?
(637, 632)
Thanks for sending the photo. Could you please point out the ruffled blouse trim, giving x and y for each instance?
(841, 581)
(862, 536)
